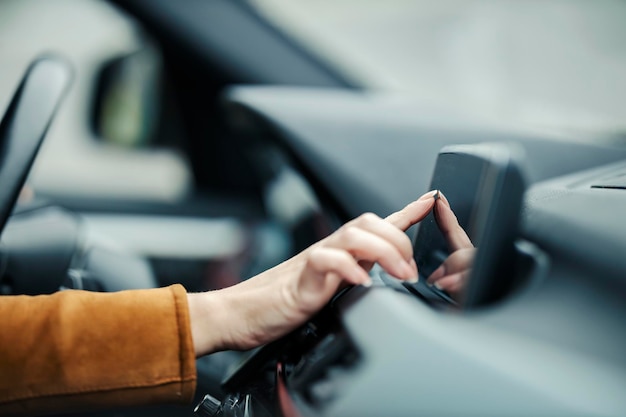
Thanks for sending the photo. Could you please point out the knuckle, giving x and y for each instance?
(349, 235)
(315, 257)
(368, 218)
(398, 217)
(315, 253)
(344, 259)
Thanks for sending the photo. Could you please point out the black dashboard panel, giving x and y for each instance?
(376, 153)
(553, 348)
(587, 209)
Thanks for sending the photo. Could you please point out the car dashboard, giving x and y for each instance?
(553, 347)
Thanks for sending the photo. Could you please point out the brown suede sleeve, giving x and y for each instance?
(78, 350)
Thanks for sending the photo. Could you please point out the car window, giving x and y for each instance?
(72, 162)
(554, 65)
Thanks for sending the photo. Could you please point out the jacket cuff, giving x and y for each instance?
(78, 350)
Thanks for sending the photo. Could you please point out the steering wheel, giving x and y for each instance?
(25, 124)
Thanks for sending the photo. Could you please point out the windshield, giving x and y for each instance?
(557, 65)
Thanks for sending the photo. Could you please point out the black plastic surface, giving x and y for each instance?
(38, 247)
(580, 224)
(25, 123)
(231, 36)
(554, 348)
(372, 152)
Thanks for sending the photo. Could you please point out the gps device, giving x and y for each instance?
(484, 186)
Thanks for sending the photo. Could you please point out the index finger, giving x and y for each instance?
(449, 225)
(414, 212)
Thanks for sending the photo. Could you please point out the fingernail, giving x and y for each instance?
(413, 280)
(443, 198)
(367, 283)
(428, 195)
(436, 285)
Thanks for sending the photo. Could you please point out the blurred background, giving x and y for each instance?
(72, 161)
(553, 66)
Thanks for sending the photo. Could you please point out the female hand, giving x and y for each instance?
(453, 273)
(280, 299)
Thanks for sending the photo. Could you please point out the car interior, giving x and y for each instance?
(260, 147)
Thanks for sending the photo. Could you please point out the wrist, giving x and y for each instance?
(207, 314)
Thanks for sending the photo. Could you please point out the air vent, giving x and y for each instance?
(615, 181)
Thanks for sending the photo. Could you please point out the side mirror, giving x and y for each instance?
(126, 106)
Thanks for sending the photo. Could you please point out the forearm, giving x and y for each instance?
(80, 350)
